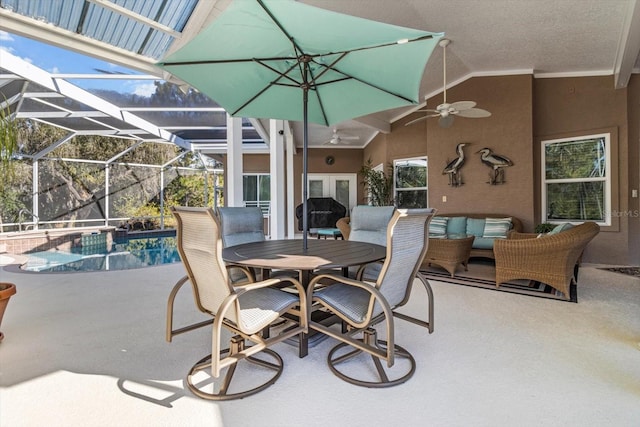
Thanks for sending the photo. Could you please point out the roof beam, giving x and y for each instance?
(56, 36)
(53, 146)
(628, 46)
(30, 72)
(137, 17)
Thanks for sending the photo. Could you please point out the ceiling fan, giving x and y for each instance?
(446, 111)
(340, 138)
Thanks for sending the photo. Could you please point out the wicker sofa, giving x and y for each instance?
(482, 246)
(552, 259)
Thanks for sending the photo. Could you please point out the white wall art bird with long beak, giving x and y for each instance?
(453, 167)
(497, 164)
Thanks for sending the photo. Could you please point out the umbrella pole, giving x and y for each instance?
(305, 158)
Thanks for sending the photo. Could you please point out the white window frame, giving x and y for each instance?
(264, 205)
(395, 184)
(606, 179)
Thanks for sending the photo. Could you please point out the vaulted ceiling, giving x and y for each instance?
(544, 38)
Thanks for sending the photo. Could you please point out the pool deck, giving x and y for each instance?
(88, 349)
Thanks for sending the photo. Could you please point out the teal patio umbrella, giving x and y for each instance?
(281, 59)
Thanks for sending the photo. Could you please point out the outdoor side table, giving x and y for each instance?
(450, 252)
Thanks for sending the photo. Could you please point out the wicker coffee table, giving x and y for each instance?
(449, 253)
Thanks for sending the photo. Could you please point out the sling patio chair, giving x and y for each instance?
(243, 309)
(244, 224)
(240, 225)
(367, 224)
(361, 305)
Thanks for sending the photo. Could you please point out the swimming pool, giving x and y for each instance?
(131, 253)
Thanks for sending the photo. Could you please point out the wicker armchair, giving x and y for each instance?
(549, 259)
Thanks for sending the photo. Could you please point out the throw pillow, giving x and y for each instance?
(438, 226)
(496, 228)
(560, 227)
(457, 225)
(475, 226)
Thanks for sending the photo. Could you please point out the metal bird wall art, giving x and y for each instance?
(497, 164)
(453, 167)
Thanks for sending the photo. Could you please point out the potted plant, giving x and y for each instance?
(6, 291)
(378, 185)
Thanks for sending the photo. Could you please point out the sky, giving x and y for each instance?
(57, 60)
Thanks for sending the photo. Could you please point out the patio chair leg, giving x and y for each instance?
(237, 345)
(386, 377)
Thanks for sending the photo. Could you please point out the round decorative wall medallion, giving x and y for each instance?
(329, 160)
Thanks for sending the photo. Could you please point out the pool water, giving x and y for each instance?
(129, 254)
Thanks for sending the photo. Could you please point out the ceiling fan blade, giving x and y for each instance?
(419, 119)
(463, 105)
(474, 113)
(445, 121)
(349, 137)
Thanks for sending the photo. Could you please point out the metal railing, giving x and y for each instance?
(25, 210)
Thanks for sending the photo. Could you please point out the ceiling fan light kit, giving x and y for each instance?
(445, 111)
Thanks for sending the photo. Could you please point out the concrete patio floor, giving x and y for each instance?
(88, 349)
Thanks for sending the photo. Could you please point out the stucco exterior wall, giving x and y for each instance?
(507, 132)
(524, 111)
(566, 107)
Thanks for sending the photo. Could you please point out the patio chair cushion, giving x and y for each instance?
(483, 243)
(263, 306)
(475, 224)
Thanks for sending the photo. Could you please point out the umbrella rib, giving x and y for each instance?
(226, 61)
(280, 73)
(357, 49)
(314, 79)
(280, 76)
(348, 76)
(275, 21)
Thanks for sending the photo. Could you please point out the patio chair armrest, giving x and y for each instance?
(517, 235)
(251, 277)
(378, 297)
(240, 289)
(367, 286)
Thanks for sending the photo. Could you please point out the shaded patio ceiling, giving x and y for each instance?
(545, 38)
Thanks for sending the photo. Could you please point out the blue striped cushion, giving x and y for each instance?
(497, 228)
(438, 226)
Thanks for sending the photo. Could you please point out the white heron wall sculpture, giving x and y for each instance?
(497, 164)
(453, 167)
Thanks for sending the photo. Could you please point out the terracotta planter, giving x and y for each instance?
(6, 291)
